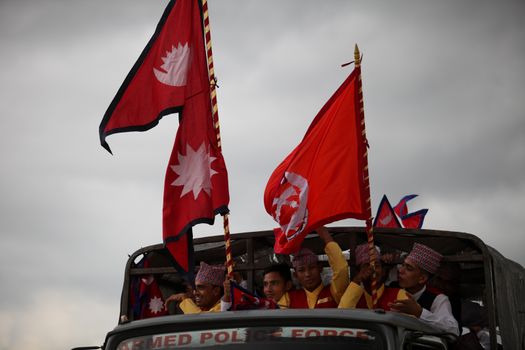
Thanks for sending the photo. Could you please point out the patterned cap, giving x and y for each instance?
(212, 274)
(304, 257)
(361, 254)
(424, 257)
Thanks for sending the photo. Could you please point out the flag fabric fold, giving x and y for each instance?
(321, 180)
(386, 217)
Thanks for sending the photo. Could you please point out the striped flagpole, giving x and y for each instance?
(215, 118)
(369, 228)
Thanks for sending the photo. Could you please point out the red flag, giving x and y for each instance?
(243, 299)
(171, 75)
(145, 296)
(196, 183)
(322, 179)
(151, 296)
(168, 71)
(415, 219)
(401, 208)
(386, 217)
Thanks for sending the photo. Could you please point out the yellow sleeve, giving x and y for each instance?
(188, 306)
(351, 296)
(216, 307)
(339, 267)
(284, 302)
(402, 295)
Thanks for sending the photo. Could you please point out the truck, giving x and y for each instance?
(482, 276)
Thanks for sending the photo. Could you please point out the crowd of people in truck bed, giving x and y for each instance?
(421, 288)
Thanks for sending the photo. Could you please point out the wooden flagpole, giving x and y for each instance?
(215, 117)
(369, 228)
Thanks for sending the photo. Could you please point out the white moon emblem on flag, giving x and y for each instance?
(175, 66)
(289, 206)
(386, 220)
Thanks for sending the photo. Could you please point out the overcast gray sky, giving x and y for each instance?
(444, 87)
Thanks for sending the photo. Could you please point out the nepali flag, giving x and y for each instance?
(410, 220)
(171, 75)
(242, 299)
(386, 217)
(401, 208)
(415, 219)
(146, 297)
(322, 180)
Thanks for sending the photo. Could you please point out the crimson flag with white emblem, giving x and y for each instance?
(386, 217)
(151, 296)
(168, 71)
(171, 75)
(321, 181)
(415, 219)
(196, 184)
(401, 208)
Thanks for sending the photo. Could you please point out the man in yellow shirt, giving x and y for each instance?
(358, 294)
(207, 293)
(307, 270)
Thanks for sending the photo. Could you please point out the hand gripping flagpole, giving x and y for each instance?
(215, 117)
(369, 228)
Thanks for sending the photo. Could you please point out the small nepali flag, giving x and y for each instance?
(146, 298)
(401, 208)
(322, 180)
(386, 217)
(415, 219)
(243, 299)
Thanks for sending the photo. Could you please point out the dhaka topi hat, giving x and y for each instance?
(304, 257)
(361, 254)
(211, 274)
(425, 257)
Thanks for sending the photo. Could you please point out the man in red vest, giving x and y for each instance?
(307, 271)
(359, 292)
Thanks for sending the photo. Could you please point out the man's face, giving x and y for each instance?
(275, 286)
(206, 295)
(309, 275)
(410, 275)
(379, 272)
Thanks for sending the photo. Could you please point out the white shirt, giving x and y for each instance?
(440, 314)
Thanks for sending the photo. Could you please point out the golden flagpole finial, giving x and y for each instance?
(357, 58)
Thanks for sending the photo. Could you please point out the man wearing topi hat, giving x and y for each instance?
(359, 291)
(307, 270)
(208, 291)
(433, 309)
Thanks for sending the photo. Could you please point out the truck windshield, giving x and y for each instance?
(274, 338)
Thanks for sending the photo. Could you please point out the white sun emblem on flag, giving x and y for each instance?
(194, 170)
(156, 305)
